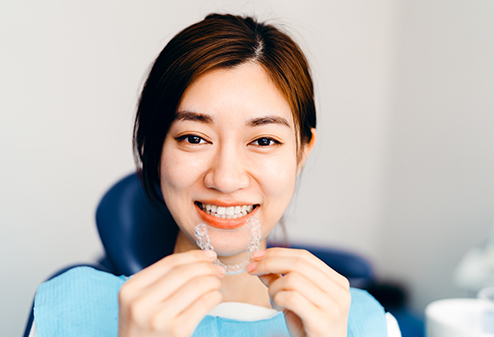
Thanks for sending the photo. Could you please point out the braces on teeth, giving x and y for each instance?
(203, 241)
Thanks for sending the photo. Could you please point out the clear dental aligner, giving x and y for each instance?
(203, 241)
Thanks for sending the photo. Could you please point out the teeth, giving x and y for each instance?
(232, 212)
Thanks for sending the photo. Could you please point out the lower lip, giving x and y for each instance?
(221, 223)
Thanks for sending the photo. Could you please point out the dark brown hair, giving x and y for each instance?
(219, 41)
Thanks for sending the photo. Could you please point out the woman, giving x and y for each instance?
(225, 122)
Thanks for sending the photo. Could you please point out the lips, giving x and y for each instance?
(225, 217)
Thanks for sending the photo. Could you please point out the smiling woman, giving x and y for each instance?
(225, 122)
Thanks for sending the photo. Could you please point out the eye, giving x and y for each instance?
(192, 139)
(265, 141)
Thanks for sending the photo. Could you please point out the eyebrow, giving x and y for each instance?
(184, 115)
(268, 120)
(194, 116)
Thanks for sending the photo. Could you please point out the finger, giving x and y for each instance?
(284, 260)
(300, 312)
(301, 253)
(177, 278)
(321, 299)
(268, 278)
(150, 274)
(285, 265)
(198, 309)
(140, 299)
(185, 323)
(310, 258)
(296, 302)
(314, 320)
(142, 304)
(183, 301)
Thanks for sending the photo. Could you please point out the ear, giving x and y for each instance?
(305, 150)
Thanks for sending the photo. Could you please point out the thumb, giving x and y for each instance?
(267, 279)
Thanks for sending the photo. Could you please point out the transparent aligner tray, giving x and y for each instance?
(254, 234)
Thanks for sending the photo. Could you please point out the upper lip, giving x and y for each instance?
(225, 203)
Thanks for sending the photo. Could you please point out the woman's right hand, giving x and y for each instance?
(170, 297)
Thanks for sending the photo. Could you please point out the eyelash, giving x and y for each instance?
(187, 138)
(271, 142)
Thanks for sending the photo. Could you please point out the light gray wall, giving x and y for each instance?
(402, 170)
(439, 187)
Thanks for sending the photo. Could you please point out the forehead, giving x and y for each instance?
(245, 91)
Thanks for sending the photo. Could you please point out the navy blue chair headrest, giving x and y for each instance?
(134, 232)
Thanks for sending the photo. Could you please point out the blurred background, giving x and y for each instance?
(402, 173)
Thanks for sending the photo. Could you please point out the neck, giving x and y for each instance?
(235, 288)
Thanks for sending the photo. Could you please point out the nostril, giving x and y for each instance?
(226, 181)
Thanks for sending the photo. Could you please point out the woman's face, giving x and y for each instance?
(230, 154)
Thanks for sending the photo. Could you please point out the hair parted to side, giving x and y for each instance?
(219, 41)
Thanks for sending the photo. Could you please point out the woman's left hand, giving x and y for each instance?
(314, 298)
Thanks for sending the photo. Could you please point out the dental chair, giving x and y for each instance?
(135, 234)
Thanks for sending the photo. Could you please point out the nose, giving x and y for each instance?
(228, 171)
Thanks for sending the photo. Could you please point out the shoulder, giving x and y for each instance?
(362, 301)
(82, 273)
(78, 296)
(77, 282)
(366, 316)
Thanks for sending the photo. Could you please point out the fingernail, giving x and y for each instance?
(210, 254)
(221, 270)
(251, 267)
(259, 254)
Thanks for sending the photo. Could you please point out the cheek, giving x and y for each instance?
(277, 176)
(277, 181)
(179, 171)
(180, 174)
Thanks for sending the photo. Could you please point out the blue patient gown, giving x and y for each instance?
(84, 302)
